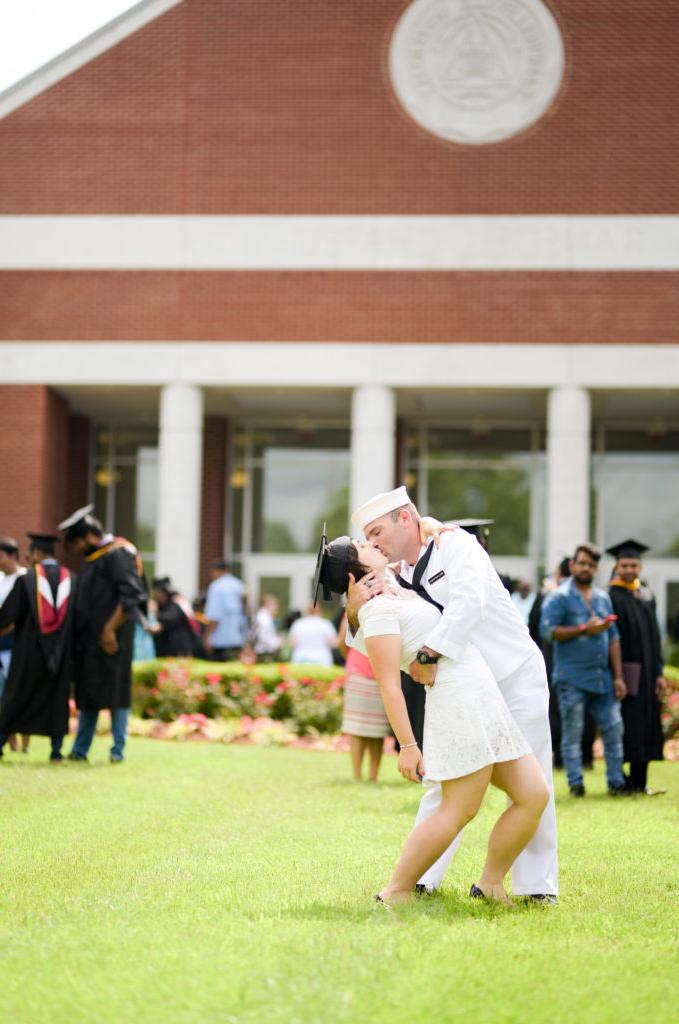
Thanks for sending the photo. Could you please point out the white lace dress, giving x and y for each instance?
(467, 724)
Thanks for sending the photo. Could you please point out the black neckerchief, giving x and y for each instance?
(418, 573)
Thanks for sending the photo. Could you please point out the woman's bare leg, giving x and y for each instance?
(375, 748)
(523, 782)
(357, 749)
(461, 799)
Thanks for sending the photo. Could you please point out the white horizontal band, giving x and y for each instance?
(340, 365)
(339, 243)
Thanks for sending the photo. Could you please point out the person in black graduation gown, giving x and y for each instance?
(642, 664)
(111, 597)
(40, 606)
(175, 635)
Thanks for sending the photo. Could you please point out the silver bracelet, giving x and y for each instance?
(404, 746)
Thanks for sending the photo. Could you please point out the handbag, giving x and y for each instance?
(631, 673)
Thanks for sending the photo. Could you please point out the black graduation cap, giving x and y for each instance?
(43, 541)
(332, 566)
(162, 583)
(477, 527)
(628, 549)
(78, 524)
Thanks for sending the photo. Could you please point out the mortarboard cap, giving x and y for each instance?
(332, 566)
(477, 527)
(78, 523)
(162, 583)
(628, 549)
(42, 541)
(379, 506)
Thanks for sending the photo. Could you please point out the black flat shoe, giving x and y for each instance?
(619, 791)
(424, 890)
(476, 893)
(75, 757)
(578, 790)
(545, 899)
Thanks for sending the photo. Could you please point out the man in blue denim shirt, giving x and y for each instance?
(578, 619)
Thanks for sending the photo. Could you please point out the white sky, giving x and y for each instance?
(32, 32)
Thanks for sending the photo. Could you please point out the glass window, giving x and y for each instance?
(485, 471)
(637, 495)
(286, 481)
(126, 483)
(502, 494)
(294, 492)
(482, 442)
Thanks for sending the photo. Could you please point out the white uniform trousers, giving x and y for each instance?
(536, 869)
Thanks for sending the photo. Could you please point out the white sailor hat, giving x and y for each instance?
(379, 506)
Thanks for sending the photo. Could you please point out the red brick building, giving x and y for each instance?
(261, 259)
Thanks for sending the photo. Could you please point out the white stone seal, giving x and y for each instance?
(476, 71)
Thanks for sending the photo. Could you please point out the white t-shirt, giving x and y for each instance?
(311, 639)
(267, 640)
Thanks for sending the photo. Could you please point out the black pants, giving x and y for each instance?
(638, 776)
(415, 696)
(224, 654)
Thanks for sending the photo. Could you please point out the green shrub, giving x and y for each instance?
(307, 697)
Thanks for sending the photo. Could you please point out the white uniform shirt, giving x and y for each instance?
(7, 583)
(476, 606)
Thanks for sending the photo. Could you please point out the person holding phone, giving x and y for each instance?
(470, 737)
(579, 620)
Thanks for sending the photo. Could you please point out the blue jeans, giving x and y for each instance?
(605, 710)
(87, 725)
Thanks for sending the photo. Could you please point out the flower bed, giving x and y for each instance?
(269, 705)
(307, 698)
(670, 709)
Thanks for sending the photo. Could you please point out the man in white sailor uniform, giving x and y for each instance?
(475, 607)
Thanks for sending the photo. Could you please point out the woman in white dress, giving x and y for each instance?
(470, 737)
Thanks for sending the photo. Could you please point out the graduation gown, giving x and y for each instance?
(35, 700)
(640, 643)
(110, 577)
(177, 638)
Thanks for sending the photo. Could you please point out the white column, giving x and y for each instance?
(179, 485)
(568, 471)
(373, 443)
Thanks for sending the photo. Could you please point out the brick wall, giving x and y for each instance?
(271, 107)
(403, 306)
(213, 494)
(34, 460)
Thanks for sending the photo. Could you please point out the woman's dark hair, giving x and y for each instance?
(354, 565)
(340, 558)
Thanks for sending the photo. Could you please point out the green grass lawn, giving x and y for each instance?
(201, 883)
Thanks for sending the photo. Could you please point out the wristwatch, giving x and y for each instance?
(423, 658)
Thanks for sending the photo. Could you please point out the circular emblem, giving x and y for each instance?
(476, 71)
